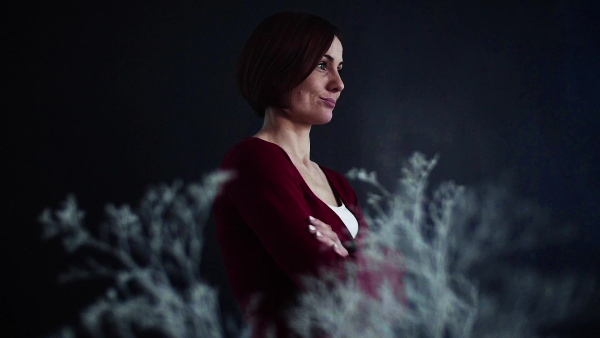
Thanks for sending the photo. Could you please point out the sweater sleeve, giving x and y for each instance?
(267, 193)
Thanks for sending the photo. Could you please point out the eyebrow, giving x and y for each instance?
(330, 58)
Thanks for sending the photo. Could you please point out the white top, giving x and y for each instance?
(347, 217)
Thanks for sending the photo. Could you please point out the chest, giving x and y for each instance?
(319, 185)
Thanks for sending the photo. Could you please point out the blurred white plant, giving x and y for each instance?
(448, 248)
(458, 281)
(154, 258)
(414, 231)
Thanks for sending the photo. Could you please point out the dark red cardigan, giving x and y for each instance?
(262, 227)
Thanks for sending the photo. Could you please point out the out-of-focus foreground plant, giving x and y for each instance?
(455, 247)
(459, 248)
(153, 257)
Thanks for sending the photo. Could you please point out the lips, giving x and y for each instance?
(329, 102)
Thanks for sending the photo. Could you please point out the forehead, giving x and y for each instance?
(335, 50)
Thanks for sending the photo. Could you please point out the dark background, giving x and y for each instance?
(107, 98)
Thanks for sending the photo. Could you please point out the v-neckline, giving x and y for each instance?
(345, 232)
(336, 195)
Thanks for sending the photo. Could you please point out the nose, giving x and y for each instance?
(336, 84)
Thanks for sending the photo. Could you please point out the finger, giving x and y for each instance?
(319, 235)
(340, 250)
(330, 239)
(336, 244)
(329, 234)
(325, 236)
(323, 233)
(318, 222)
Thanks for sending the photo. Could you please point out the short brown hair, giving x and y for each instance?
(281, 53)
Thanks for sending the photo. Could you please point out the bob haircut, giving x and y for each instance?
(281, 53)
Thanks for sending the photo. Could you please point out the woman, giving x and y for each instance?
(283, 216)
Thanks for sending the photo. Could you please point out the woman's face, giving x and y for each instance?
(313, 100)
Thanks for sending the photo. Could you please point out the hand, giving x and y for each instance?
(323, 233)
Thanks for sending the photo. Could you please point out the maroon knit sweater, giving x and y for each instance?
(262, 228)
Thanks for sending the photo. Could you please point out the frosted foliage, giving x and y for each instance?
(154, 260)
(340, 310)
(448, 247)
(454, 246)
(437, 302)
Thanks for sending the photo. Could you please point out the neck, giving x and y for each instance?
(293, 137)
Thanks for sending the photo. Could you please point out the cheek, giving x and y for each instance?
(301, 96)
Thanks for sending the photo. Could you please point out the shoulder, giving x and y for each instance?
(252, 150)
(258, 159)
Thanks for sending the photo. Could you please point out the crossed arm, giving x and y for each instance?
(268, 195)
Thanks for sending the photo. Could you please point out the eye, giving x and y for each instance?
(322, 65)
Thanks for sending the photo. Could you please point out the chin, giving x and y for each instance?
(324, 118)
